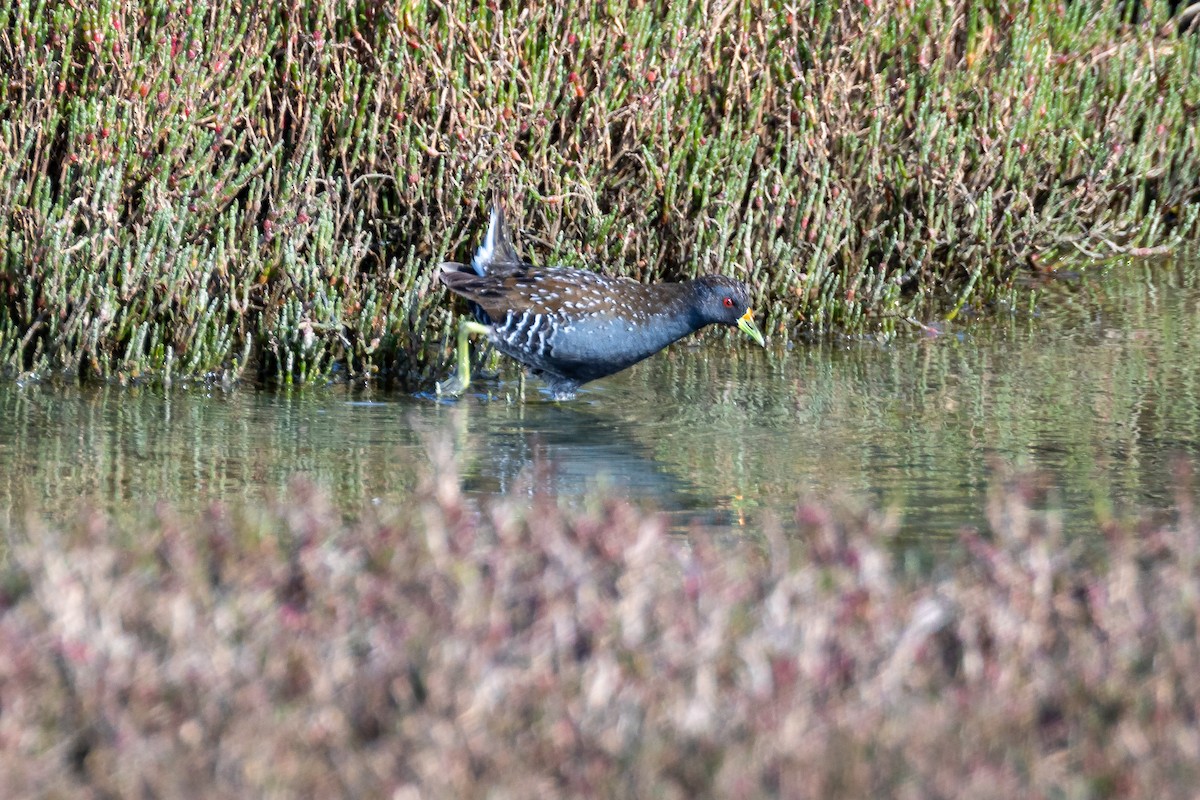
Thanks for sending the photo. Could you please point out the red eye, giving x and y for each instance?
(728, 301)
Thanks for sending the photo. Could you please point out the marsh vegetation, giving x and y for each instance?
(215, 189)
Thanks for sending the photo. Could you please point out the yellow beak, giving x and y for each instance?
(747, 326)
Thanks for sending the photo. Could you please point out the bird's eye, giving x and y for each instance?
(728, 301)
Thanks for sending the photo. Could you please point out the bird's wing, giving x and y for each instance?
(555, 291)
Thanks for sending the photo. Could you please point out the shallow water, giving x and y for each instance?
(1097, 388)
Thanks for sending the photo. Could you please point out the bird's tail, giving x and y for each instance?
(496, 254)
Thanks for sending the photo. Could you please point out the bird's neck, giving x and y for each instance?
(677, 314)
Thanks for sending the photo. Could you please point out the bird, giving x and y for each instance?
(571, 326)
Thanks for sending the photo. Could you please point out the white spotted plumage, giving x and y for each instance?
(572, 326)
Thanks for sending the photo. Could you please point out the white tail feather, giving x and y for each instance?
(487, 251)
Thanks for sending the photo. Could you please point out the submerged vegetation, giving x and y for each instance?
(435, 649)
(225, 189)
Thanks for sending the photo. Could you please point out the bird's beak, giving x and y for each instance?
(747, 326)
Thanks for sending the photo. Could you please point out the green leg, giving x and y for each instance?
(458, 383)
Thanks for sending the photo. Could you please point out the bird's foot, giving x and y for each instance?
(453, 386)
(561, 390)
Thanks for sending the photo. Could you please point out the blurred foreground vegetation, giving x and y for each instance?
(434, 649)
(224, 189)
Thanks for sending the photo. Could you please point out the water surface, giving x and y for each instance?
(1097, 386)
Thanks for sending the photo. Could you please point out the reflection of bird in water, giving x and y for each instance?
(573, 451)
